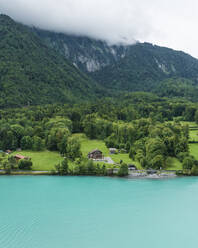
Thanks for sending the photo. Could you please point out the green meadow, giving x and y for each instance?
(42, 161)
(45, 160)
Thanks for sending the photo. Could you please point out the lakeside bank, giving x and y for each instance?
(132, 174)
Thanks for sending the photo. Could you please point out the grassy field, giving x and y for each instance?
(174, 164)
(88, 145)
(189, 123)
(44, 160)
(193, 133)
(194, 150)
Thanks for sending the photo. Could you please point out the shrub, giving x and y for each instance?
(25, 164)
(194, 170)
(123, 170)
(188, 163)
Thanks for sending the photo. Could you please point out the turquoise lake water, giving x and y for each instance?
(98, 212)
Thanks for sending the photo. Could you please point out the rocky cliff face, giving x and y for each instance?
(134, 67)
(87, 54)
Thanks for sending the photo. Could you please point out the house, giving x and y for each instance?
(132, 167)
(8, 151)
(95, 154)
(19, 157)
(112, 150)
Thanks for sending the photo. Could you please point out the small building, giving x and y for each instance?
(19, 157)
(132, 167)
(151, 171)
(8, 151)
(112, 150)
(95, 154)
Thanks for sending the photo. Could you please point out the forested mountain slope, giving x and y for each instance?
(141, 66)
(39, 67)
(145, 65)
(32, 73)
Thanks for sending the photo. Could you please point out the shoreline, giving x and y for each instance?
(131, 175)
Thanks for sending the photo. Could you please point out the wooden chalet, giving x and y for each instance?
(95, 154)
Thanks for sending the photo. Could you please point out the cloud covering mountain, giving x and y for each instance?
(168, 23)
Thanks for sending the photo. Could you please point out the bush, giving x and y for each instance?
(188, 163)
(194, 170)
(182, 155)
(62, 168)
(123, 170)
(25, 164)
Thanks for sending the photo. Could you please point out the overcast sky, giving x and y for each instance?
(171, 23)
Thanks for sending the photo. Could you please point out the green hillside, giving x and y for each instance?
(145, 66)
(138, 67)
(32, 73)
(40, 67)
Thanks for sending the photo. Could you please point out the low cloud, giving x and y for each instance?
(112, 20)
(168, 23)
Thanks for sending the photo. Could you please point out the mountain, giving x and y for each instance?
(32, 73)
(138, 67)
(41, 67)
(87, 54)
(145, 65)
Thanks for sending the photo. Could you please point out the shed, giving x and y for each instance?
(19, 157)
(151, 171)
(132, 167)
(95, 154)
(112, 150)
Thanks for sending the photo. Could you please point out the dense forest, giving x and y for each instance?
(142, 124)
(39, 67)
(31, 73)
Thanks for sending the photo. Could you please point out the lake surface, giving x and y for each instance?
(98, 212)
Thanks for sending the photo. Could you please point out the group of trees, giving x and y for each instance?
(140, 123)
(81, 166)
(10, 163)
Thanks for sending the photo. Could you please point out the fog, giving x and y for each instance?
(167, 23)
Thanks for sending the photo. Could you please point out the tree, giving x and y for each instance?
(12, 162)
(123, 170)
(7, 167)
(155, 153)
(196, 116)
(63, 145)
(73, 148)
(91, 167)
(188, 163)
(194, 170)
(62, 167)
(157, 162)
(38, 144)
(26, 143)
(132, 153)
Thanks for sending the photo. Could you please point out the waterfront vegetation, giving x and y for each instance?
(149, 132)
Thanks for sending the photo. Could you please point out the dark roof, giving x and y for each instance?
(131, 165)
(96, 150)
